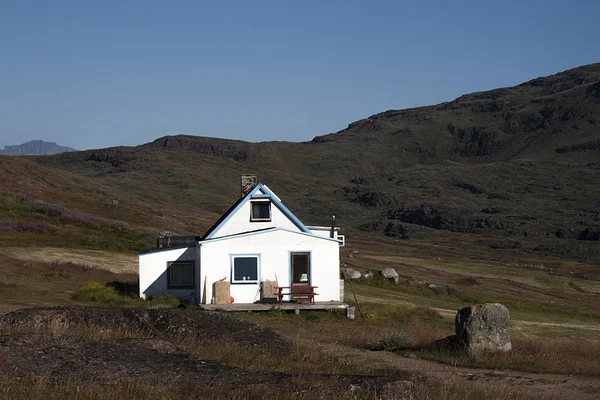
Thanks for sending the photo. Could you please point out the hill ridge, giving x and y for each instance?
(513, 168)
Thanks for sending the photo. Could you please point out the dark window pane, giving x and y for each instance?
(301, 270)
(181, 275)
(245, 269)
(261, 211)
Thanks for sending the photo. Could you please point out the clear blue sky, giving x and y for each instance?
(107, 73)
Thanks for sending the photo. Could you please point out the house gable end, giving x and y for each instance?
(238, 218)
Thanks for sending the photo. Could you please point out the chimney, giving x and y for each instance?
(249, 182)
(332, 232)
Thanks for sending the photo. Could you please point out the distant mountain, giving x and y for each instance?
(35, 147)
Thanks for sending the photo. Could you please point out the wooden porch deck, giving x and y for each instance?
(318, 305)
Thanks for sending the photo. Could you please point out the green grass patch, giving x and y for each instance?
(108, 295)
(576, 287)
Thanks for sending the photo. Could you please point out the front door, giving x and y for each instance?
(300, 270)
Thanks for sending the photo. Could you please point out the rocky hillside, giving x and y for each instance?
(553, 118)
(35, 147)
(517, 167)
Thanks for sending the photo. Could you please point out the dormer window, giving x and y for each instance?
(260, 211)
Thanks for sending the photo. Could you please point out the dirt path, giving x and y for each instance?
(551, 386)
(558, 325)
(515, 323)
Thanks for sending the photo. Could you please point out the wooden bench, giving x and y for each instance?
(308, 292)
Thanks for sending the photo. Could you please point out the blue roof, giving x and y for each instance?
(254, 193)
(265, 230)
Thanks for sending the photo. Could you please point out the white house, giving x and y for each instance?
(258, 239)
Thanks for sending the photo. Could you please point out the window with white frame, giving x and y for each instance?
(260, 211)
(181, 275)
(244, 269)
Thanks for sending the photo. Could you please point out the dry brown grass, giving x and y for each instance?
(299, 359)
(38, 388)
(564, 356)
(423, 325)
(303, 360)
(88, 331)
(108, 260)
(447, 389)
(454, 388)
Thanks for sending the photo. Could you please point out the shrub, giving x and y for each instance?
(395, 341)
(467, 281)
(97, 292)
(575, 287)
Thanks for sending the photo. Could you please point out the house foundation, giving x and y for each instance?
(296, 307)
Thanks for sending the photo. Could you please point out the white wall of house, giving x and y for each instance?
(273, 249)
(153, 272)
(240, 221)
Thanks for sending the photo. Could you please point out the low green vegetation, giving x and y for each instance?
(107, 294)
(65, 283)
(392, 342)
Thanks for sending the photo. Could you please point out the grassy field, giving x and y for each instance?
(554, 325)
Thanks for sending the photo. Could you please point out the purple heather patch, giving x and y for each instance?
(50, 209)
(37, 227)
(36, 214)
(54, 210)
(86, 219)
(70, 267)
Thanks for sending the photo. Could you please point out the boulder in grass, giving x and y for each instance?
(483, 327)
(350, 273)
(390, 274)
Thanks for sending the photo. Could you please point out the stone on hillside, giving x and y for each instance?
(350, 273)
(368, 275)
(390, 274)
(483, 327)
